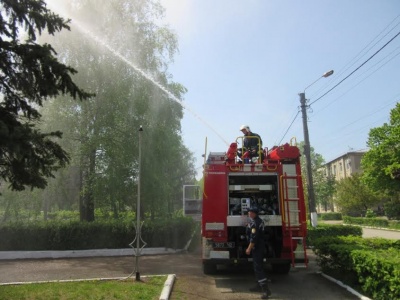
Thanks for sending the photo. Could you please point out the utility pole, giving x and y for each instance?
(307, 153)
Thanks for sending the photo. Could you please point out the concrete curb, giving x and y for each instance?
(168, 285)
(9, 255)
(351, 290)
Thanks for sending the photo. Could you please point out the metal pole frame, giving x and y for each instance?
(307, 153)
(138, 225)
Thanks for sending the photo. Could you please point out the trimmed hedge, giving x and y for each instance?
(373, 222)
(111, 234)
(372, 264)
(323, 230)
(378, 272)
(336, 216)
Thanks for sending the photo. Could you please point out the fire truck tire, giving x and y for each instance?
(209, 269)
(281, 268)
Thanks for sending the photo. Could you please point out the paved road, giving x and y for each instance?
(386, 234)
(190, 282)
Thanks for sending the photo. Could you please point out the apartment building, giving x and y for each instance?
(345, 165)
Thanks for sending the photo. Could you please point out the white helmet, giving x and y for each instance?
(244, 127)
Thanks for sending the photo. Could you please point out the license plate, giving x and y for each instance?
(224, 245)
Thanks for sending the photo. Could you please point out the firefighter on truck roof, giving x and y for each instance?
(252, 142)
(255, 237)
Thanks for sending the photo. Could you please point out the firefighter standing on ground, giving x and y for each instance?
(252, 141)
(255, 236)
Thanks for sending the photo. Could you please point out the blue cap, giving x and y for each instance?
(254, 209)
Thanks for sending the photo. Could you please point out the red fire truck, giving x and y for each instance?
(272, 182)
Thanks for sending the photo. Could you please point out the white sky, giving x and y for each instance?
(244, 62)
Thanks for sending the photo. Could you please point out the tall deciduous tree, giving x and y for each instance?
(325, 188)
(353, 197)
(381, 164)
(118, 41)
(29, 75)
(319, 177)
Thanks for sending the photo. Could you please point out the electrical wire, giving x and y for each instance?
(289, 127)
(375, 111)
(341, 135)
(355, 59)
(355, 70)
(363, 79)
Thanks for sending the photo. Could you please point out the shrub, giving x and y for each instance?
(392, 209)
(378, 272)
(323, 230)
(370, 214)
(330, 216)
(373, 222)
(373, 264)
(104, 234)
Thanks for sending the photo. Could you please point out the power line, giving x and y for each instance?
(360, 54)
(289, 127)
(356, 59)
(358, 67)
(363, 79)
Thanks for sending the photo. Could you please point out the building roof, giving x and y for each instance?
(356, 152)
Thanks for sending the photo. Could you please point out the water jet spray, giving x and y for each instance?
(87, 32)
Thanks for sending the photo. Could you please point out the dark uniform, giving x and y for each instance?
(253, 142)
(251, 145)
(255, 234)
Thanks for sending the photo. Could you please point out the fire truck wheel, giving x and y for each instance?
(209, 269)
(281, 268)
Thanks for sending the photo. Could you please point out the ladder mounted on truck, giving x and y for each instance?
(292, 224)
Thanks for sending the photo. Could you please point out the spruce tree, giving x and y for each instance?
(29, 75)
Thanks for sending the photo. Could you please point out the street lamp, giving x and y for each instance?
(138, 227)
(310, 184)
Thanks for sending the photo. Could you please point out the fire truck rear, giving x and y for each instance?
(272, 182)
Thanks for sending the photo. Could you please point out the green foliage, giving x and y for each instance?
(322, 186)
(325, 188)
(392, 208)
(394, 224)
(373, 222)
(322, 230)
(378, 272)
(370, 213)
(353, 196)
(381, 167)
(330, 216)
(106, 234)
(102, 134)
(374, 264)
(31, 74)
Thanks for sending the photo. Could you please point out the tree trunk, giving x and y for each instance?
(86, 201)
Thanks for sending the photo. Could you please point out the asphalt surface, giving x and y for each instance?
(190, 281)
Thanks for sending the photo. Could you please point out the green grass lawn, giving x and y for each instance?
(148, 289)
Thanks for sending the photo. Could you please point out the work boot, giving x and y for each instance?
(257, 287)
(266, 292)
